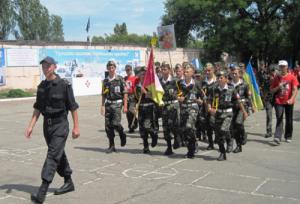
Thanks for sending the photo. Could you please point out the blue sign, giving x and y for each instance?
(90, 62)
(2, 58)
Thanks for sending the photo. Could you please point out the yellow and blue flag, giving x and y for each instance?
(250, 79)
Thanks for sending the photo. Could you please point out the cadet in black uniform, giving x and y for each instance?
(208, 84)
(189, 97)
(146, 112)
(239, 115)
(265, 78)
(54, 99)
(114, 94)
(223, 98)
(170, 111)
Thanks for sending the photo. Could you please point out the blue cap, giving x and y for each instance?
(49, 60)
(231, 66)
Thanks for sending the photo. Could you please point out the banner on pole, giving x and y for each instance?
(2, 63)
(166, 37)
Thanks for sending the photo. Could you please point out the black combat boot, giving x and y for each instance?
(190, 154)
(229, 145)
(222, 156)
(41, 194)
(146, 146)
(67, 187)
(111, 147)
(238, 149)
(154, 140)
(123, 139)
(239, 145)
(244, 138)
(169, 148)
(177, 141)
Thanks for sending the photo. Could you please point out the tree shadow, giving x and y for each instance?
(23, 188)
(256, 134)
(270, 143)
(119, 150)
(133, 151)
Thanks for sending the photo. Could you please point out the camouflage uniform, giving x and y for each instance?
(170, 111)
(113, 91)
(188, 113)
(226, 97)
(238, 130)
(146, 118)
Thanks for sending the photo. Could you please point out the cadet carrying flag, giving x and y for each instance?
(250, 79)
(88, 26)
(152, 83)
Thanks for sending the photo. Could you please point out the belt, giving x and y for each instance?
(228, 110)
(244, 100)
(170, 102)
(115, 101)
(146, 104)
(51, 121)
(189, 104)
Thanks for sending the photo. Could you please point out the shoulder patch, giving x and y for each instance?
(67, 82)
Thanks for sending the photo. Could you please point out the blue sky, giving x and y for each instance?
(140, 16)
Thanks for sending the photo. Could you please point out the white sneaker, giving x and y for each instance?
(277, 141)
(288, 140)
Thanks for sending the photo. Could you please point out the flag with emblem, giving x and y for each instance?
(152, 83)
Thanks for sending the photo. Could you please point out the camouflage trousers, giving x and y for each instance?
(130, 113)
(222, 127)
(170, 121)
(113, 119)
(188, 116)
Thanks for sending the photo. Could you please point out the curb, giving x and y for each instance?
(17, 99)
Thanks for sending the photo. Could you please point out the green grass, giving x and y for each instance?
(15, 93)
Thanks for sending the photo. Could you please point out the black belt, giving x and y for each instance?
(51, 121)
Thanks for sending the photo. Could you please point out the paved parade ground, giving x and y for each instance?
(262, 173)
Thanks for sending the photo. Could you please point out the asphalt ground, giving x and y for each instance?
(262, 173)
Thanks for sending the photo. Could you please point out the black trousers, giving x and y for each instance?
(269, 107)
(280, 110)
(56, 132)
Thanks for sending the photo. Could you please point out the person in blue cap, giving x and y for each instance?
(54, 100)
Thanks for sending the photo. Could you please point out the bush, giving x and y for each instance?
(15, 93)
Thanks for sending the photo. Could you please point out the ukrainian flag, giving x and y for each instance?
(250, 79)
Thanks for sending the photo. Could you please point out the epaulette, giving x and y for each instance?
(66, 81)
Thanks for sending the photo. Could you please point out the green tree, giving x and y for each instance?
(33, 20)
(56, 33)
(120, 29)
(121, 36)
(7, 18)
(240, 27)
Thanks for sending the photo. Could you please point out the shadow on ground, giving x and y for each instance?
(22, 187)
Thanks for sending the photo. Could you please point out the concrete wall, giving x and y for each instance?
(29, 77)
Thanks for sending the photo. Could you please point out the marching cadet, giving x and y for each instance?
(114, 94)
(54, 100)
(170, 111)
(239, 115)
(208, 85)
(223, 97)
(146, 114)
(200, 123)
(189, 97)
(131, 81)
(265, 78)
